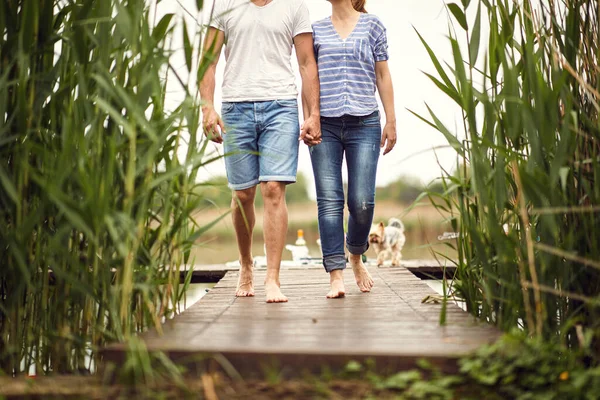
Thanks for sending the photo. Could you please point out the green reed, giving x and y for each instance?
(525, 197)
(95, 205)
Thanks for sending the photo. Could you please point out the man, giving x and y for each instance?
(259, 125)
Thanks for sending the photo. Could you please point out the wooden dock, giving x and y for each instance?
(426, 269)
(390, 325)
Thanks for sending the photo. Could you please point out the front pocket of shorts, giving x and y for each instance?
(227, 107)
(287, 103)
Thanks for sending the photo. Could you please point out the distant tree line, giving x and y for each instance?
(404, 190)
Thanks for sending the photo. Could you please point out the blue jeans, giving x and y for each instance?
(358, 138)
(261, 142)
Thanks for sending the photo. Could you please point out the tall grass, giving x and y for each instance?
(526, 198)
(95, 203)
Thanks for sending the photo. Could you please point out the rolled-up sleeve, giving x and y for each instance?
(380, 49)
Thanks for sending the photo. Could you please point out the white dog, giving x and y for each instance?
(388, 241)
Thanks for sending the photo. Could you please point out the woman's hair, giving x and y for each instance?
(359, 5)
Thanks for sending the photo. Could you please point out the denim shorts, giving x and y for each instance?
(261, 142)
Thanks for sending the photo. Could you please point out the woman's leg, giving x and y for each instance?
(327, 168)
(362, 145)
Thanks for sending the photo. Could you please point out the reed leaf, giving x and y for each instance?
(96, 206)
(525, 196)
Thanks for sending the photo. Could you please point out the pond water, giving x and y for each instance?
(195, 292)
(438, 286)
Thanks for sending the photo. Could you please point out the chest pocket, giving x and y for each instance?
(362, 50)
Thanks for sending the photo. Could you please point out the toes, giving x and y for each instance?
(336, 294)
(364, 286)
(277, 300)
(244, 293)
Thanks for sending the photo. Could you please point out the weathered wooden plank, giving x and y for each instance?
(390, 324)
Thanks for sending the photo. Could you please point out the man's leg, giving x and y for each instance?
(278, 158)
(275, 227)
(241, 165)
(242, 206)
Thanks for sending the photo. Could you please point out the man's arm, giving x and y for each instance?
(211, 51)
(311, 129)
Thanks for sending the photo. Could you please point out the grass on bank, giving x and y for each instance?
(516, 367)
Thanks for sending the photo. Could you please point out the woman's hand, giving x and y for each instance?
(310, 131)
(388, 138)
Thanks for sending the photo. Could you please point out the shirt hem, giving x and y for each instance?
(252, 99)
(337, 115)
(216, 26)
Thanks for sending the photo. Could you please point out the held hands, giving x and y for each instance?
(214, 128)
(310, 131)
(388, 138)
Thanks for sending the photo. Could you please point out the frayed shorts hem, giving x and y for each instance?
(243, 186)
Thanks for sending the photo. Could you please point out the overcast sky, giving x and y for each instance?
(413, 154)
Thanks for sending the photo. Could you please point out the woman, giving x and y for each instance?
(351, 51)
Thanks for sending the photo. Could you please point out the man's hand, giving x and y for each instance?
(214, 128)
(389, 136)
(310, 132)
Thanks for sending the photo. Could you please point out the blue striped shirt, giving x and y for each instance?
(347, 67)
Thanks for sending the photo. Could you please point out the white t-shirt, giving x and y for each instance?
(258, 47)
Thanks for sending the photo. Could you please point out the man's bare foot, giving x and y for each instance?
(363, 278)
(273, 292)
(336, 279)
(245, 287)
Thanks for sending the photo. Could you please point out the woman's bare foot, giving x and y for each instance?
(273, 292)
(363, 278)
(336, 279)
(245, 286)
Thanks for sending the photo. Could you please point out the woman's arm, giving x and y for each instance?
(386, 93)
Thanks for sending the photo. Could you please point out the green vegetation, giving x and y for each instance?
(405, 190)
(527, 204)
(515, 367)
(95, 206)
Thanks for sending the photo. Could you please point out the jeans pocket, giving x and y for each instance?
(227, 107)
(371, 120)
(290, 103)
